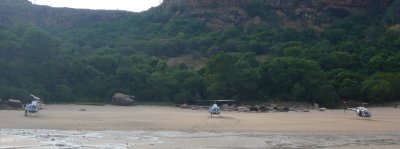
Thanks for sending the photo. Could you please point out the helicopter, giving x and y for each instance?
(214, 109)
(361, 111)
(34, 106)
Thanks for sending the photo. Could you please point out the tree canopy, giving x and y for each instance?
(342, 55)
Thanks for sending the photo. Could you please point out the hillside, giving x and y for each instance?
(320, 51)
(302, 13)
(216, 14)
(14, 12)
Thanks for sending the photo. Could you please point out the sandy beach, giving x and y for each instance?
(82, 126)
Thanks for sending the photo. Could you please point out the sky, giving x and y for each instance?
(128, 5)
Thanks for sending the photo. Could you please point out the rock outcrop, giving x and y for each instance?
(281, 107)
(282, 4)
(13, 12)
(123, 100)
(11, 104)
(218, 14)
(207, 2)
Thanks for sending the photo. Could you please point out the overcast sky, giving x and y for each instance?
(129, 5)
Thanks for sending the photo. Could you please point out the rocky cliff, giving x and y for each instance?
(14, 12)
(284, 3)
(207, 2)
(220, 13)
(217, 14)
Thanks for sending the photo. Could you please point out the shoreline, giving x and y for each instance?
(154, 127)
(27, 138)
(86, 117)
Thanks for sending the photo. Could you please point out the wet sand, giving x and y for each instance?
(80, 126)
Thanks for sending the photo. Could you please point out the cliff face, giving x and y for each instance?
(357, 4)
(217, 14)
(284, 3)
(22, 11)
(236, 12)
(206, 2)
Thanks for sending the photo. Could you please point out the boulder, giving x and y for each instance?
(16, 104)
(243, 109)
(226, 107)
(11, 104)
(263, 109)
(322, 109)
(123, 100)
(316, 106)
(184, 106)
(254, 108)
(282, 108)
(4, 106)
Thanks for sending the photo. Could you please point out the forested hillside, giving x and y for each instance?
(182, 51)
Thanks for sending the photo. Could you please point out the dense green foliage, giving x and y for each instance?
(355, 57)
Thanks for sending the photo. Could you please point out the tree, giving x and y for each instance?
(191, 86)
(382, 87)
(131, 80)
(161, 87)
(346, 83)
(335, 35)
(10, 50)
(336, 60)
(39, 45)
(392, 14)
(294, 79)
(230, 76)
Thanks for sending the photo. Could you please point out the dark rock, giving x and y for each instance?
(322, 109)
(285, 109)
(11, 104)
(4, 106)
(226, 107)
(16, 104)
(316, 106)
(184, 106)
(254, 108)
(263, 109)
(243, 109)
(123, 100)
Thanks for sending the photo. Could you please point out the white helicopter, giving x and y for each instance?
(34, 106)
(214, 109)
(361, 111)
